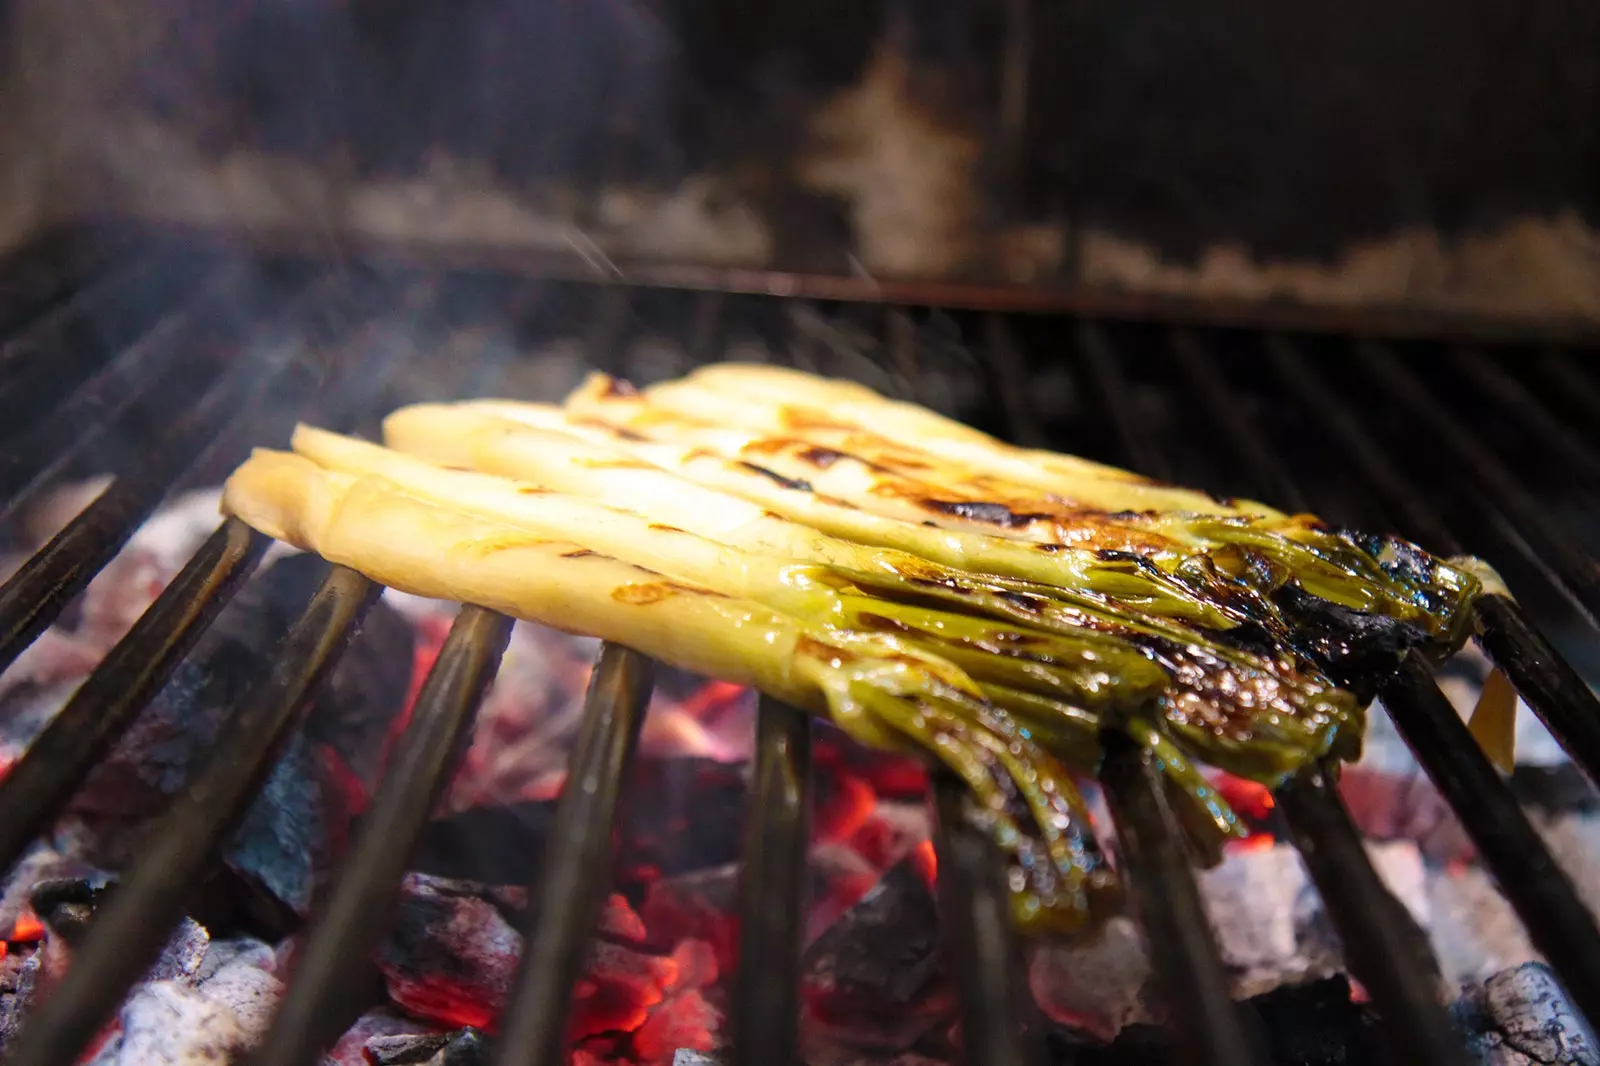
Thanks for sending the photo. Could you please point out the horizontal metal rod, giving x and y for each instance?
(130, 928)
(1558, 923)
(1058, 296)
(985, 958)
(578, 860)
(1383, 945)
(339, 942)
(1177, 933)
(766, 1009)
(34, 791)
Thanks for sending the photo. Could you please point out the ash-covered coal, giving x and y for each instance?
(465, 1047)
(689, 815)
(451, 955)
(285, 840)
(215, 1014)
(1522, 1017)
(32, 968)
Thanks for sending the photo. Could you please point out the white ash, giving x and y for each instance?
(1272, 929)
(1474, 933)
(215, 1014)
(1100, 985)
(168, 1023)
(183, 956)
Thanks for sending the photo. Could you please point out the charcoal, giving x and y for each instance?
(494, 845)
(450, 955)
(351, 1047)
(1312, 1024)
(65, 904)
(1095, 984)
(700, 905)
(688, 815)
(1522, 1017)
(883, 954)
(466, 1047)
(285, 833)
(452, 949)
(22, 979)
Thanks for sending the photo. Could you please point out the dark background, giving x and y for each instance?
(1293, 128)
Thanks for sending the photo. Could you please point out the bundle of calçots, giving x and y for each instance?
(925, 586)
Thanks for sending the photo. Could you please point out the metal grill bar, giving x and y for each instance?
(975, 909)
(1563, 702)
(773, 896)
(1111, 389)
(1569, 377)
(315, 1010)
(1228, 418)
(1382, 944)
(1546, 535)
(1011, 382)
(1176, 931)
(47, 330)
(94, 408)
(1514, 398)
(37, 279)
(36, 594)
(1558, 923)
(1374, 465)
(568, 896)
(130, 928)
(33, 792)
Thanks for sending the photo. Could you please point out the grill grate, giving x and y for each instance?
(335, 347)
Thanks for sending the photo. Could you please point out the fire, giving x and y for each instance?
(926, 860)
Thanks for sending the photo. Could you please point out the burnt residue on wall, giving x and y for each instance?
(1292, 129)
(1437, 152)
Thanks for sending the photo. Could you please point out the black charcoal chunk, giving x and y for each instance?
(881, 954)
(1522, 1017)
(1311, 1024)
(66, 900)
(283, 839)
(466, 1047)
(693, 820)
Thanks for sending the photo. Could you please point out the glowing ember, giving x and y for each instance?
(28, 928)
